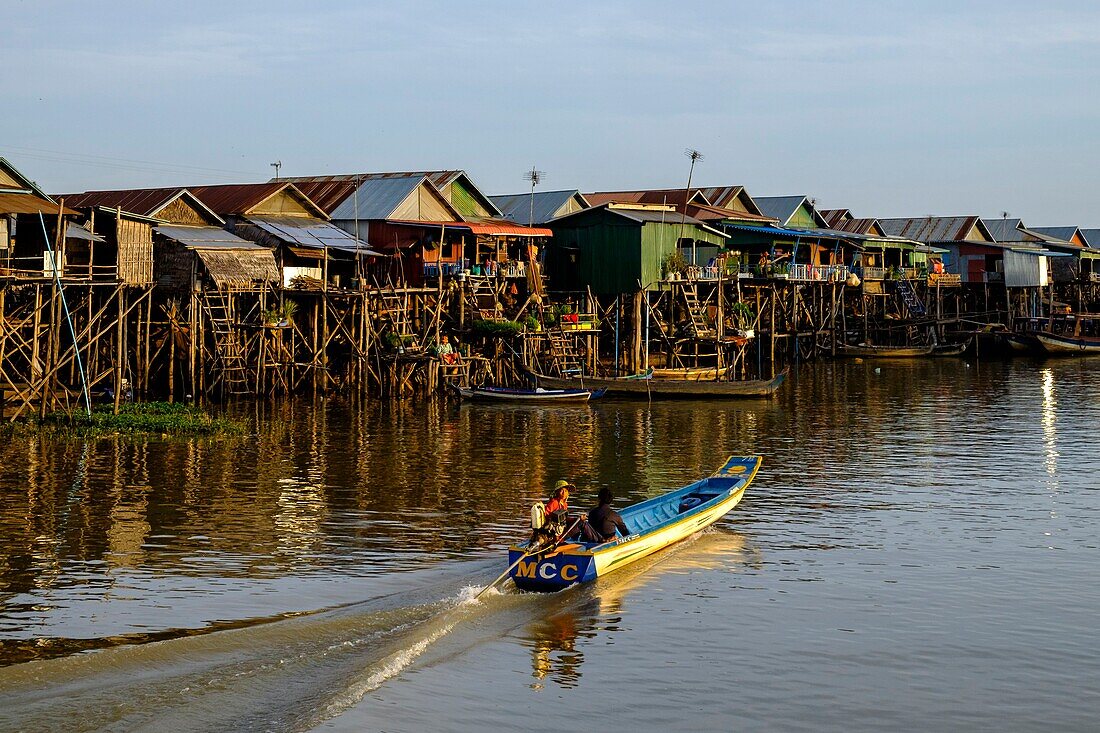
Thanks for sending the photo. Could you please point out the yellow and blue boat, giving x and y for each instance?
(653, 524)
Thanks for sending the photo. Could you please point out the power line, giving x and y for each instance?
(112, 161)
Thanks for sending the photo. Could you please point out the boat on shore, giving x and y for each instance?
(540, 395)
(652, 387)
(654, 524)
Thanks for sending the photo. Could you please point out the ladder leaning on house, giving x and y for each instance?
(232, 369)
(910, 298)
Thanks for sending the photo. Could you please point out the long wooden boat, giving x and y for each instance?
(867, 351)
(1065, 344)
(504, 394)
(653, 388)
(654, 524)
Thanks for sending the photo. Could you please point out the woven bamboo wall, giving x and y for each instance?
(135, 252)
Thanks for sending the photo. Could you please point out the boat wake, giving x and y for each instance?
(292, 674)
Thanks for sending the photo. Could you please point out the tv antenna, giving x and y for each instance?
(276, 165)
(535, 177)
(695, 155)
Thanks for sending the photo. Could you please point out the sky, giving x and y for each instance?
(886, 108)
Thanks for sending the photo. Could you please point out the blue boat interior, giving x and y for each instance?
(652, 514)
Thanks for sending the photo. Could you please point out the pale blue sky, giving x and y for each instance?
(887, 108)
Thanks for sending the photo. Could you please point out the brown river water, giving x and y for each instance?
(920, 551)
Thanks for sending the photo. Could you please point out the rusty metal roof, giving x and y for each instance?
(672, 196)
(236, 198)
(932, 228)
(143, 201)
(28, 203)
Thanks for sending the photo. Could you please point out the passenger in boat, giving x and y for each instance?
(559, 500)
(603, 521)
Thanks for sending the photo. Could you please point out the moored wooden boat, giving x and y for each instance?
(867, 351)
(653, 388)
(654, 524)
(1066, 344)
(957, 349)
(504, 394)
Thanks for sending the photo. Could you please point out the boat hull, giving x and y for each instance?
(885, 352)
(479, 394)
(579, 563)
(1069, 345)
(654, 388)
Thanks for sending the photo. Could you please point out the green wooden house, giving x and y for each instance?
(621, 248)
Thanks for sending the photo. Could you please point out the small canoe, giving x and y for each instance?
(504, 394)
(653, 388)
(654, 524)
(867, 351)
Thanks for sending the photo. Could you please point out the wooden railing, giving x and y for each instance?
(944, 279)
(818, 273)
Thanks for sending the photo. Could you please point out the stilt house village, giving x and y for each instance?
(410, 282)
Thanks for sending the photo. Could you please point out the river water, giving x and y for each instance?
(919, 551)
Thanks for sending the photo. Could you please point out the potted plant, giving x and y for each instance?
(673, 264)
(743, 317)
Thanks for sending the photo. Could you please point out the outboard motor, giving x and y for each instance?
(538, 516)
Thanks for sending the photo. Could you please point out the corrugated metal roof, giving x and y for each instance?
(725, 195)
(782, 208)
(312, 233)
(1092, 236)
(547, 204)
(1014, 230)
(205, 237)
(672, 196)
(931, 228)
(1005, 230)
(1065, 234)
(854, 226)
(239, 198)
(28, 203)
(377, 197)
(142, 201)
(328, 192)
(835, 216)
(335, 190)
(75, 231)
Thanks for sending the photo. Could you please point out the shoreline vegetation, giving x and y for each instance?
(145, 418)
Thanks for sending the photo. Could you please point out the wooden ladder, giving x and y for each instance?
(565, 352)
(232, 368)
(395, 312)
(700, 329)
